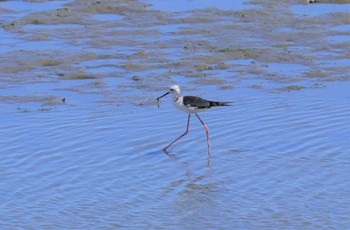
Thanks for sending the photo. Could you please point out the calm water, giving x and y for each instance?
(280, 159)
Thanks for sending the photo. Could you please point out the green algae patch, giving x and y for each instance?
(49, 62)
(79, 76)
(43, 99)
(36, 22)
(293, 87)
(226, 50)
(135, 67)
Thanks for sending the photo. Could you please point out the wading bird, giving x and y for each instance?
(191, 104)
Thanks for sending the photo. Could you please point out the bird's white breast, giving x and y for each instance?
(178, 103)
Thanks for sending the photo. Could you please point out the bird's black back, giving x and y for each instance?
(201, 103)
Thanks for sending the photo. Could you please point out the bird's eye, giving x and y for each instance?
(171, 89)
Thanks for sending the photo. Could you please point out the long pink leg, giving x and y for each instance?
(207, 132)
(188, 125)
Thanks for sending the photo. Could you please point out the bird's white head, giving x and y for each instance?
(174, 90)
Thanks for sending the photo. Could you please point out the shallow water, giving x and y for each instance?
(278, 160)
(280, 153)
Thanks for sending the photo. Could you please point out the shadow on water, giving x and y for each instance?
(176, 157)
(185, 163)
(237, 151)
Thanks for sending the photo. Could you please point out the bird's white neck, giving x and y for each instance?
(176, 97)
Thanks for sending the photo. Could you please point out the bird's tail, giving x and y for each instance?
(217, 103)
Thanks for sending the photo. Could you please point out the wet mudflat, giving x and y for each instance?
(81, 134)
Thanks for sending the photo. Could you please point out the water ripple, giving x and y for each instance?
(272, 155)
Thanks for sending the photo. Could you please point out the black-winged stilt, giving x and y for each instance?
(191, 104)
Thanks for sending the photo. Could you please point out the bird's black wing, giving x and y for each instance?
(196, 102)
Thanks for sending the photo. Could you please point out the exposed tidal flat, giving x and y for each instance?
(81, 134)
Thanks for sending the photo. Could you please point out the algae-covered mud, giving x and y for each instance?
(81, 134)
(113, 41)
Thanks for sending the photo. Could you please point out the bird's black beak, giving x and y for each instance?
(162, 96)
